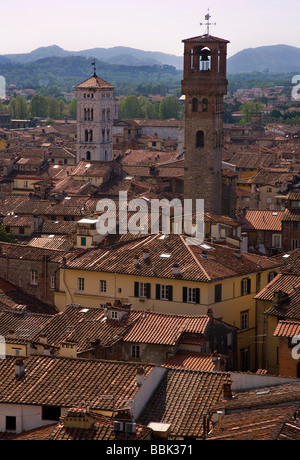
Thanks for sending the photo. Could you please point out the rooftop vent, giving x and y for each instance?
(140, 376)
(19, 368)
(176, 269)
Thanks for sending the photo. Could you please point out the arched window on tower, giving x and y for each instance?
(195, 104)
(200, 139)
(205, 59)
(204, 105)
(86, 135)
(88, 156)
(91, 135)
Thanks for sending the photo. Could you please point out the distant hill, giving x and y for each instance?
(117, 55)
(275, 58)
(66, 72)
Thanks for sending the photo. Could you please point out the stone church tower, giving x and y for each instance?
(204, 86)
(96, 110)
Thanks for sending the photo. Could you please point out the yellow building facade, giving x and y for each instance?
(231, 298)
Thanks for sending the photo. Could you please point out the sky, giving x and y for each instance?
(150, 25)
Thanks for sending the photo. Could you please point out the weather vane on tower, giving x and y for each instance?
(207, 24)
(94, 64)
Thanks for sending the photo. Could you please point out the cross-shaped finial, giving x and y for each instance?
(207, 24)
(94, 64)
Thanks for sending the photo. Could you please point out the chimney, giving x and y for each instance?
(46, 350)
(280, 298)
(176, 269)
(19, 368)
(140, 376)
(227, 391)
(210, 313)
(244, 242)
(136, 260)
(146, 254)
(43, 339)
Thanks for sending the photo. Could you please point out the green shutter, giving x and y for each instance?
(136, 289)
(148, 290)
(158, 292)
(197, 295)
(249, 286)
(184, 294)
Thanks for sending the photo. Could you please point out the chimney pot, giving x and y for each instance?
(140, 376)
(19, 368)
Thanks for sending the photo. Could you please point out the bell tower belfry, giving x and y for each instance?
(204, 86)
(96, 110)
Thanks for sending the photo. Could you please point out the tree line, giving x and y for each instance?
(50, 107)
(39, 106)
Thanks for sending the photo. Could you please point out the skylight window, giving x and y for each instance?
(204, 246)
(165, 256)
(84, 310)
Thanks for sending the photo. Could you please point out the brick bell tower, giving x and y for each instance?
(204, 86)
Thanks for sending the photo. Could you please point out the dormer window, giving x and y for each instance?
(114, 315)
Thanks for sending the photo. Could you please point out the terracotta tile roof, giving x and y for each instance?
(291, 215)
(294, 196)
(181, 399)
(252, 160)
(23, 324)
(49, 242)
(261, 424)
(282, 282)
(196, 263)
(92, 168)
(59, 227)
(287, 329)
(85, 326)
(68, 382)
(101, 430)
(76, 206)
(290, 308)
(262, 220)
(205, 39)
(159, 328)
(18, 221)
(191, 360)
(274, 177)
(14, 298)
(94, 82)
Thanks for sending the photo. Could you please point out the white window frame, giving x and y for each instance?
(164, 292)
(245, 286)
(244, 320)
(276, 236)
(191, 295)
(103, 286)
(114, 315)
(81, 284)
(135, 351)
(143, 290)
(52, 282)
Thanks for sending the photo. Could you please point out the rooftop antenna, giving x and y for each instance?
(94, 64)
(207, 23)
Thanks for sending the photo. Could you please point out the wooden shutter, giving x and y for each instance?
(197, 295)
